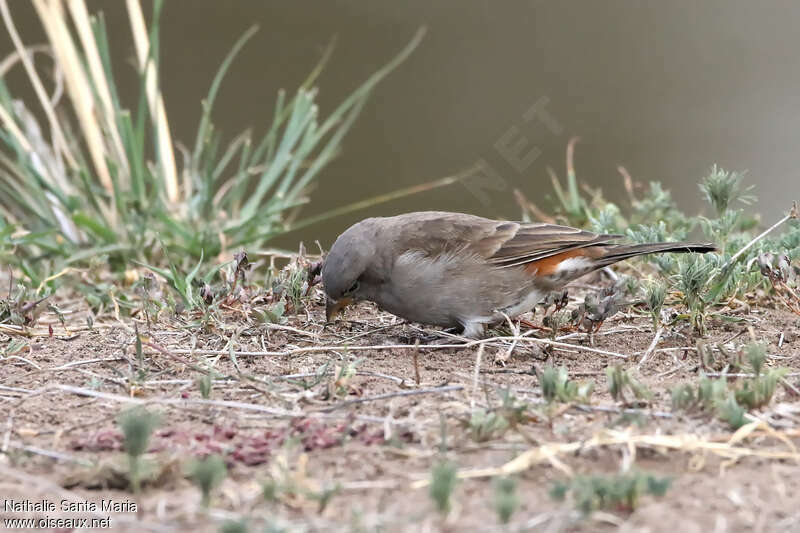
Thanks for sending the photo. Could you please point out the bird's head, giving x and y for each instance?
(345, 265)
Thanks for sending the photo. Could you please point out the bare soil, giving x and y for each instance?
(373, 438)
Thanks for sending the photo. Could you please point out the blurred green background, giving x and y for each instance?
(663, 88)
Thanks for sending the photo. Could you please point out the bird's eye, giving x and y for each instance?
(353, 288)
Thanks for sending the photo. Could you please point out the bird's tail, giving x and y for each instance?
(618, 252)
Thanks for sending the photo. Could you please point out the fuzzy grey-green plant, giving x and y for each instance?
(233, 526)
(505, 497)
(692, 280)
(731, 412)
(205, 384)
(207, 473)
(620, 380)
(443, 484)
(556, 386)
(729, 402)
(137, 425)
(655, 293)
(610, 491)
(721, 188)
(485, 425)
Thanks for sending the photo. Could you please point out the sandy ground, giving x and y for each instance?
(285, 411)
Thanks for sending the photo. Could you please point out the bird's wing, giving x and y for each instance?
(502, 243)
(526, 243)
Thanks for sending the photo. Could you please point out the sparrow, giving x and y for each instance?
(456, 270)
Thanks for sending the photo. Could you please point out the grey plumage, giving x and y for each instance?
(454, 269)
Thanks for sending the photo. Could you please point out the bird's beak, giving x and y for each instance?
(334, 307)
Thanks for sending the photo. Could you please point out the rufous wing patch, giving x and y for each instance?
(549, 265)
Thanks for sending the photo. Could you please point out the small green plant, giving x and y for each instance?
(291, 285)
(711, 395)
(233, 526)
(655, 293)
(692, 280)
(710, 392)
(340, 384)
(505, 498)
(205, 383)
(137, 424)
(207, 473)
(275, 313)
(721, 188)
(758, 391)
(556, 321)
(287, 486)
(557, 387)
(192, 289)
(14, 346)
(620, 380)
(620, 492)
(443, 484)
(270, 490)
(512, 409)
(683, 397)
(484, 426)
(731, 412)
(324, 496)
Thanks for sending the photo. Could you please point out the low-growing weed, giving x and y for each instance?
(137, 425)
(620, 381)
(505, 497)
(443, 484)
(617, 492)
(557, 387)
(207, 473)
(730, 402)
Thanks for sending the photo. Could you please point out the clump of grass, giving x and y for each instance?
(137, 424)
(557, 387)
(88, 188)
(443, 484)
(620, 381)
(619, 492)
(207, 473)
(505, 497)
